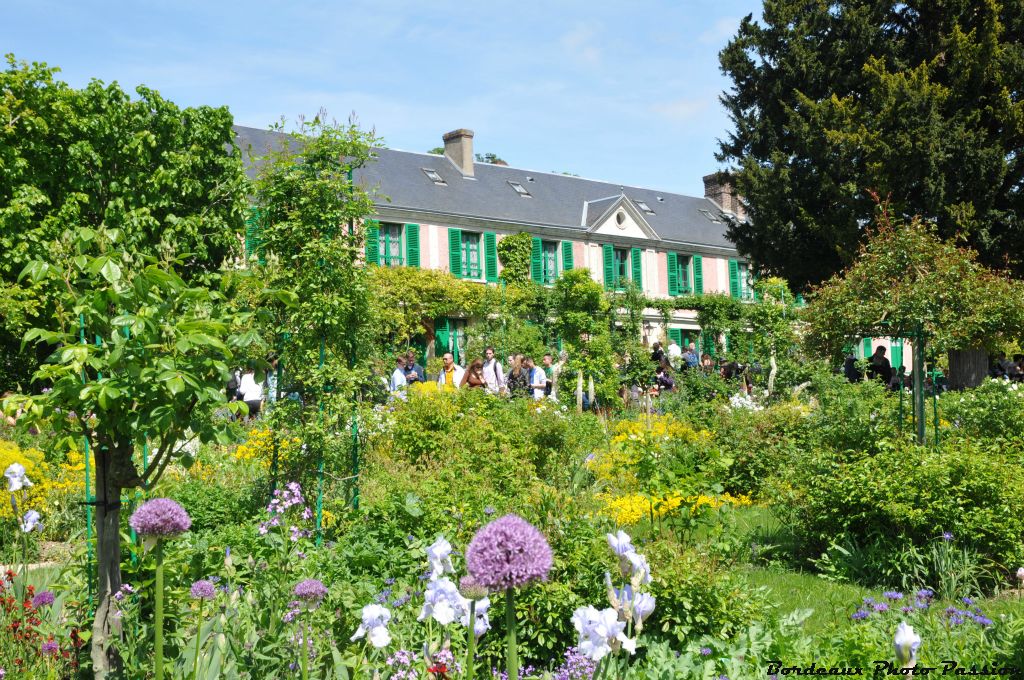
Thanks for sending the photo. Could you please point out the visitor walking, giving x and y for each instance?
(494, 376)
(518, 380)
(414, 373)
(548, 367)
(473, 377)
(662, 379)
(879, 368)
(691, 357)
(398, 382)
(251, 392)
(675, 354)
(538, 381)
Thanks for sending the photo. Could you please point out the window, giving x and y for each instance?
(549, 262)
(746, 285)
(682, 275)
(434, 177)
(390, 240)
(520, 189)
(643, 206)
(621, 269)
(471, 255)
(707, 214)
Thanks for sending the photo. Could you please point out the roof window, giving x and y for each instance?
(707, 214)
(643, 206)
(434, 177)
(520, 189)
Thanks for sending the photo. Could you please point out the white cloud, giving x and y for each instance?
(679, 110)
(579, 45)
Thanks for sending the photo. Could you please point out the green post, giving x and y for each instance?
(935, 405)
(320, 463)
(919, 384)
(89, 500)
(899, 423)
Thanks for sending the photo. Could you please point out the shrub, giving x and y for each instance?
(994, 409)
(908, 495)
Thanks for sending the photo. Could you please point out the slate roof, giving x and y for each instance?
(555, 200)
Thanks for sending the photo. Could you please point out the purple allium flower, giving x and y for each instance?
(311, 590)
(705, 651)
(508, 553)
(469, 588)
(160, 517)
(860, 615)
(50, 648)
(43, 599)
(892, 595)
(202, 590)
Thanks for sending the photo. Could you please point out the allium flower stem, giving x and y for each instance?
(304, 653)
(158, 634)
(470, 664)
(512, 653)
(199, 637)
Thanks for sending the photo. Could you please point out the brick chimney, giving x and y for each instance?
(458, 147)
(719, 188)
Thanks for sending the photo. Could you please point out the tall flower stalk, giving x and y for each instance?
(201, 590)
(506, 554)
(17, 480)
(155, 521)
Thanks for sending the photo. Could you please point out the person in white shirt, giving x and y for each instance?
(398, 383)
(494, 376)
(251, 392)
(675, 354)
(538, 379)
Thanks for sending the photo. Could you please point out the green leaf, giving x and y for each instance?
(110, 271)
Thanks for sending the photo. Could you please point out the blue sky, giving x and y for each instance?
(624, 92)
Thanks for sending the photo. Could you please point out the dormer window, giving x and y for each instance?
(519, 189)
(434, 177)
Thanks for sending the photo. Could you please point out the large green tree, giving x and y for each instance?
(165, 177)
(906, 277)
(917, 100)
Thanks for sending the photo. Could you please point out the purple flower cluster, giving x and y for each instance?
(705, 651)
(503, 675)
(957, 617)
(124, 591)
(404, 665)
(575, 667)
(43, 598)
(311, 591)
(160, 518)
(284, 499)
(203, 589)
(892, 595)
(508, 553)
(50, 648)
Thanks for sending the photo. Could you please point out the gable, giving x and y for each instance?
(621, 219)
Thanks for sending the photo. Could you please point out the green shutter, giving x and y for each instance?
(676, 335)
(536, 265)
(442, 334)
(897, 354)
(412, 245)
(372, 242)
(866, 347)
(734, 278)
(708, 343)
(609, 266)
(455, 252)
(253, 236)
(567, 260)
(698, 275)
(490, 256)
(673, 274)
(636, 259)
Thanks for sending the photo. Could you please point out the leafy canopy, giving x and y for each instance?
(920, 100)
(907, 275)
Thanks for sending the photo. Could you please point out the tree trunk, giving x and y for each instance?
(106, 627)
(967, 367)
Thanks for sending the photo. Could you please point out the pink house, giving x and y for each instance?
(448, 212)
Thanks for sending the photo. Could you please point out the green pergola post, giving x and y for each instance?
(89, 500)
(919, 383)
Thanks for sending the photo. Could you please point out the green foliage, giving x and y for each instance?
(308, 208)
(166, 179)
(915, 100)
(994, 409)
(906, 275)
(906, 495)
(514, 254)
